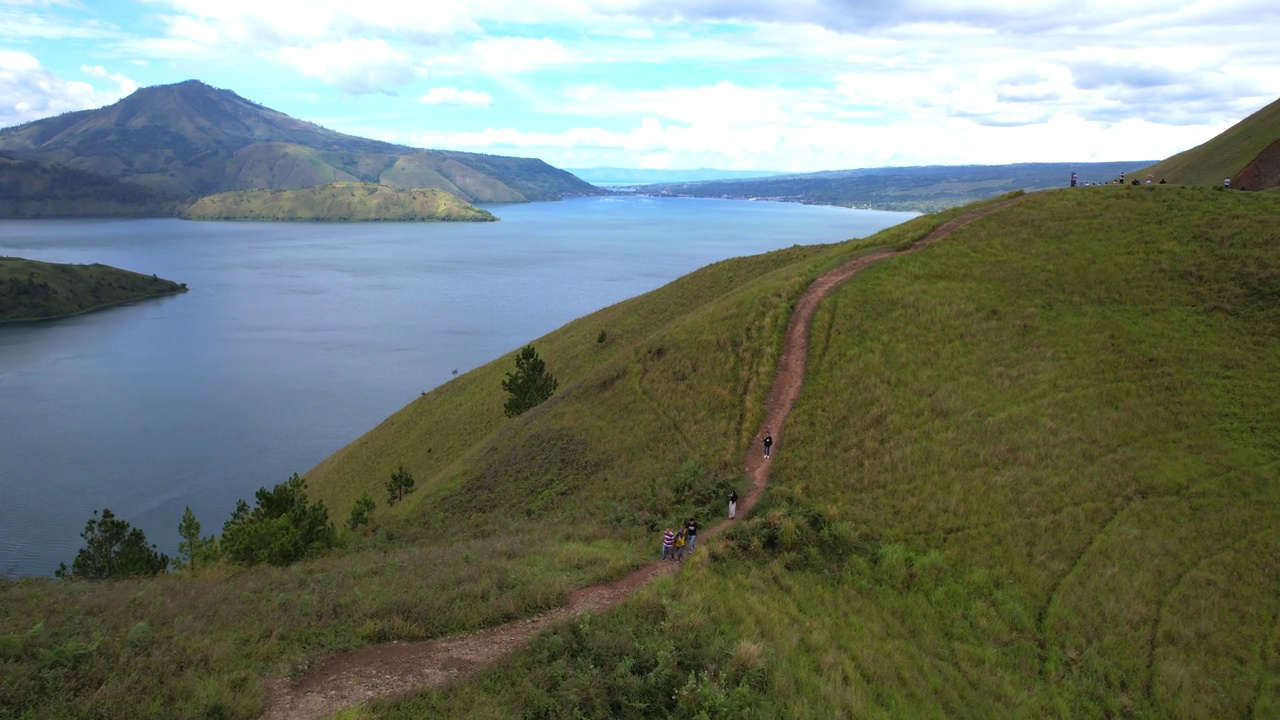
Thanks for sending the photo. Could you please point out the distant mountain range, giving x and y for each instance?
(189, 139)
(923, 189)
(638, 176)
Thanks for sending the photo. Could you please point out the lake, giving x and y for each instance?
(297, 338)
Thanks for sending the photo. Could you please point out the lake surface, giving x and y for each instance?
(297, 338)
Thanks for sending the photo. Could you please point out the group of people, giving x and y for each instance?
(1117, 181)
(675, 543)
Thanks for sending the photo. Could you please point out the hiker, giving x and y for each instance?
(1161, 181)
(733, 504)
(680, 542)
(1073, 179)
(668, 543)
(768, 443)
(691, 534)
(1226, 184)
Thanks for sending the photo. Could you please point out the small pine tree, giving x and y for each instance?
(113, 549)
(400, 484)
(529, 385)
(189, 547)
(361, 511)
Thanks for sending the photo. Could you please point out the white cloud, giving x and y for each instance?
(28, 91)
(830, 145)
(354, 66)
(503, 56)
(455, 97)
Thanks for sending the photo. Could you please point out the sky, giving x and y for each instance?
(783, 85)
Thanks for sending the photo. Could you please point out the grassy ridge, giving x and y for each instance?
(1033, 473)
(335, 201)
(33, 290)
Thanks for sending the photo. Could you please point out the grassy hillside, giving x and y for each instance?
(30, 189)
(335, 201)
(1032, 474)
(34, 290)
(1225, 155)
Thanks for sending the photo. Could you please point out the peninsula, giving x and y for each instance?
(340, 201)
(31, 290)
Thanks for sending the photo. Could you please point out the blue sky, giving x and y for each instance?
(790, 85)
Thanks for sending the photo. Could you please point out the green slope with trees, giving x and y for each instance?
(34, 290)
(30, 189)
(1033, 473)
(336, 201)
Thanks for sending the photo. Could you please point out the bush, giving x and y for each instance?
(281, 529)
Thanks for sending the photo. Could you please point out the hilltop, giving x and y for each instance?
(1247, 152)
(1032, 472)
(336, 201)
(190, 139)
(34, 290)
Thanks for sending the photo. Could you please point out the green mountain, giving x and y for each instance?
(335, 201)
(191, 139)
(924, 189)
(1033, 471)
(1247, 152)
(30, 189)
(34, 290)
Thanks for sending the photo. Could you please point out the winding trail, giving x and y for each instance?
(348, 679)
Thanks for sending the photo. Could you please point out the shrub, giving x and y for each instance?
(529, 385)
(281, 529)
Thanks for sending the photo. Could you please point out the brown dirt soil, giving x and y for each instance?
(1262, 173)
(349, 679)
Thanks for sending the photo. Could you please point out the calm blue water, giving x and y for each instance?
(297, 338)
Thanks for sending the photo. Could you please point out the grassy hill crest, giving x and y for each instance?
(343, 201)
(1247, 152)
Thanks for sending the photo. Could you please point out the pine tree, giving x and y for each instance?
(529, 385)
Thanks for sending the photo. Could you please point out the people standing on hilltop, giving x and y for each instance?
(733, 504)
(768, 444)
(1122, 177)
(1226, 184)
(1073, 179)
(668, 543)
(691, 534)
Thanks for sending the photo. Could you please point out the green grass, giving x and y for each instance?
(33, 290)
(1032, 474)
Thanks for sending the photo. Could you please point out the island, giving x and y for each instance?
(32, 290)
(340, 201)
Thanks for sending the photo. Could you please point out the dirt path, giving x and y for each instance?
(352, 678)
